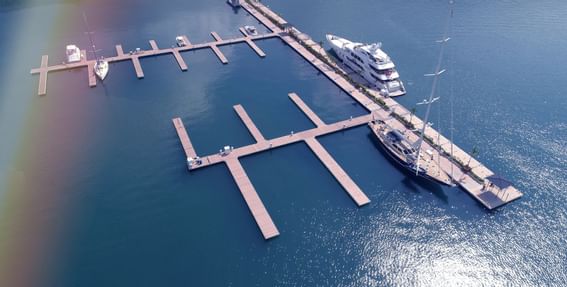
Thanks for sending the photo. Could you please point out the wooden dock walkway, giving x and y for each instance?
(262, 144)
(489, 197)
(180, 60)
(91, 73)
(252, 44)
(154, 45)
(342, 177)
(134, 57)
(259, 212)
(138, 67)
(43, 76)
(184, 138)
(254, 131)
(306, 110)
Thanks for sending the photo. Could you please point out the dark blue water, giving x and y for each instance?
(127, 212)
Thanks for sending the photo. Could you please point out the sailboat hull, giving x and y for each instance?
(101, 69)
(441, 178)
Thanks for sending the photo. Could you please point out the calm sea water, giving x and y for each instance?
(122, 210)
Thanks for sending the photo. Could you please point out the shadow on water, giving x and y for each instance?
(411, 181)
(234, 9)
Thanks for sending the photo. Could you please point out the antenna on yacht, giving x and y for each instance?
(435, 75)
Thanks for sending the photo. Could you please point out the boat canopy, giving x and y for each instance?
(397, 135)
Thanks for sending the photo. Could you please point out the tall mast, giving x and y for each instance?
(435, 75)
(451, 94)
(89, 33)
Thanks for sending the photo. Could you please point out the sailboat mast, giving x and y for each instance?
(89, 33)
(436, 75)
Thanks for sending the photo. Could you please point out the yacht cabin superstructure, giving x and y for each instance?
(371, 63)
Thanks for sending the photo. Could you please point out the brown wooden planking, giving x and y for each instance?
(138, 67)
(186, 41)
(257, 208)
(216, 36)
(252, 44)
(254, 131)
(119, 50)
(42, 90)
(306, 110)
(289, 139)
(91, 74)
(219, 54)
(134, 57)
(342, 177)
(179, 60)
(184, 138)
(154, 45)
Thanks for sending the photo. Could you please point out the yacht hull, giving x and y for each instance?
(406, 166)
(389, 84)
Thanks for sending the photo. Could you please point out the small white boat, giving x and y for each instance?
(251, 30)
(73, 54)
(101, 69)
(180, 41)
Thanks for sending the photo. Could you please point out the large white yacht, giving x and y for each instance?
(370, 62)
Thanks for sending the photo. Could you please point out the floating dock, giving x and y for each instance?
(340, 175)
(255, 204)
(135, 56)
(262, 144)
(43, 76)
(252, 44)
(483, 190)
(254, 131)
(184, 138)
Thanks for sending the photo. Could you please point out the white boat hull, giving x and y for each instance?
(101, 69)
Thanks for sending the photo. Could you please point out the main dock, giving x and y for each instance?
(134, 57)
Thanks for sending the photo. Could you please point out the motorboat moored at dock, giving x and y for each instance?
(251, 30)
(181, 42)
(73, 54)
(101, 68)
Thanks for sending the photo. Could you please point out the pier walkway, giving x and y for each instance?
(184, 138)
(489, 197)
(134, 57)
(262, 144)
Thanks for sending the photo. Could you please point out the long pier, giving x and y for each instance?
(230, 158)
(154, 50)
(489, 191)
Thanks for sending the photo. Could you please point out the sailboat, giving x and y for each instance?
(406, 153)
(101, 66)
